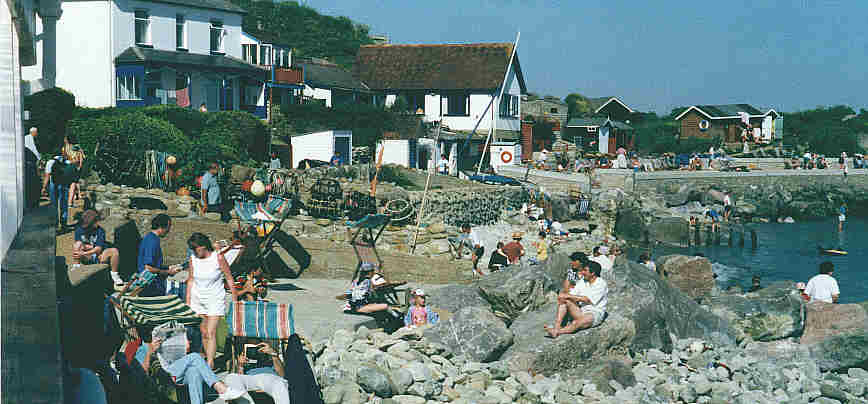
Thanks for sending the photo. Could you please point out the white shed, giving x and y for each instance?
(411, 153)
(322, 146)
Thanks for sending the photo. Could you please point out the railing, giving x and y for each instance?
(288, 75)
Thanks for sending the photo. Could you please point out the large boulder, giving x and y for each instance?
(679, 197)
(772, 313)
(515, 291)
(691, 275)
(452, 298)
(473, 331)
(836, 335)
(644, 311)
(673, 230)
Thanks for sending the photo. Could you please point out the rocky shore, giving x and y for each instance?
(657, 345)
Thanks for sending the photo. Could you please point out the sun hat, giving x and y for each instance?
(801, 285)
(419, 292)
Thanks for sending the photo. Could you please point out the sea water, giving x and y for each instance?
(789, 252)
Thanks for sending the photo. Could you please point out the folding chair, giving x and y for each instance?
(365, 248)
(261, 320)
(266, 218)
(582, 208)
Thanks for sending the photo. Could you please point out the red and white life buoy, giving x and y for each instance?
(505, 156)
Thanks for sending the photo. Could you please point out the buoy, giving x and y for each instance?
(258, 188)
(171, 160)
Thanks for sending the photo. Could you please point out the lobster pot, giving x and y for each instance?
(358, 205)
(400, 212)
(504, 153)
(326, 199)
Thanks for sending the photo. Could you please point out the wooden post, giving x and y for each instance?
(377, 173)
(424, 194)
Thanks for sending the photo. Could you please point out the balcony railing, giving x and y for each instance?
(288, 75)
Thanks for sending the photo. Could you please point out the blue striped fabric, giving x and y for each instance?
(260, 320)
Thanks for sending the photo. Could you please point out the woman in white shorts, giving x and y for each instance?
(205, 292)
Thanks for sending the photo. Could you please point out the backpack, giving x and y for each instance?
(62, 173)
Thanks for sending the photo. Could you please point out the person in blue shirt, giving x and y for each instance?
(90, 246)
(212, 200)
(336, 160)
(715, 218)
(151, 256)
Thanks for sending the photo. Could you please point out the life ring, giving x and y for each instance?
(506, 156)
(703, 125)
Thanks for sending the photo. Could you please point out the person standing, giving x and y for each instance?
(476, 246)
(274, 164)
(599, 256)
(842, 161)
(842, 216)
(514, 250)
(212, 200)
(74, 171)
(60, 190)
(150, 257)
(443, 165)
(823, 287)
(727, 206)
(205, 292)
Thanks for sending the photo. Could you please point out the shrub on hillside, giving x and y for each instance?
(115, 144)
(188, 120)
(50, 110)
(238, 132)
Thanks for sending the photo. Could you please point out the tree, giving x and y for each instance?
(532, 96)
(578, 105)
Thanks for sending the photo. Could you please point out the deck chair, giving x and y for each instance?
(365, 247)
(266, 217)
(273, 322)
(582, 207)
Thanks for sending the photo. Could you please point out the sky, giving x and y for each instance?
(654, 55)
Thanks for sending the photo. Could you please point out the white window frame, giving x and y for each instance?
(147, 21)
(265, 55)
(123, 89)
(181, 21)
(217, 25)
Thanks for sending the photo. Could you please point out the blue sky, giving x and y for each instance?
(654, 55)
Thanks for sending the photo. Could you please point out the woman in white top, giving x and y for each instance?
(205, 292)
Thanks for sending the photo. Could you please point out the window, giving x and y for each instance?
(143, 27)
(509, 106)
(265, 55)
(553, 111)
(249, 53)
(217, 36)
(457, 104)
(128, 88)
(180, 33)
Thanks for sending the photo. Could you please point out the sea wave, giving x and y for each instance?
(727, 275)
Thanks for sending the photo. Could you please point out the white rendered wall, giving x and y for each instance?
(319, 94)
(396, 152)
(315, 146)
(11, 134)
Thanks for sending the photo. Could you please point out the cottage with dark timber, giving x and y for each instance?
(729, 122)
(451, 82)
(607, 129)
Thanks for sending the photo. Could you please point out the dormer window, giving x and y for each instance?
(218, 34)
(143, 27)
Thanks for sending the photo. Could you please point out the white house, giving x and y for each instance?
(141, 52)
(452, 82)
(283, 82)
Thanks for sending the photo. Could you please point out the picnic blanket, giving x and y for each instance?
(153, 311)
(260, 320)
(271, 210)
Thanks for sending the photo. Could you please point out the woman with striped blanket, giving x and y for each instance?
(205, 292)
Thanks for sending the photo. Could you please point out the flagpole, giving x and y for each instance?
(499, 98)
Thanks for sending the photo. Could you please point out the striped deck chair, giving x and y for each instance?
(271, 210)
(154, 311)
(365, 247)
(582, 208)
(260, 320)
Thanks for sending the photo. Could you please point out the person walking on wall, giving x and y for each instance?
(842, 216)
(212, 200)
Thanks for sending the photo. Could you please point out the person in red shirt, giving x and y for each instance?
(514, 250)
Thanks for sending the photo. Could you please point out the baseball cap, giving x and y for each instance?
(579, 256)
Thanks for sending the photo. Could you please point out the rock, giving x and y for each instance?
(343, 393)
(830, 391)
(212, 216)
(452, 298)
(771, 314)
(407, 399)
(606, 370)
(473, 331)
(516, 291)
(401, 380)
(644, 312)
(373, 379)
(691, 275)
(561, 211)
(668, 229)
(436, 228)
(836, 335)
(679, 197)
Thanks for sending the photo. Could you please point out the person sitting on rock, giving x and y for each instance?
(514, 250)
(646, 260)
(90, 246)
(585, 302)
(420, 314)
(499, 259)
(600, 257)
(542, 249)
(823, 287)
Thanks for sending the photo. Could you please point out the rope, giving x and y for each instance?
(392, 211)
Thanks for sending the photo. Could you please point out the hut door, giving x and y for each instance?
(342, 144)
(604, 139)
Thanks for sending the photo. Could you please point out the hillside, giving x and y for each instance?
(308, 32)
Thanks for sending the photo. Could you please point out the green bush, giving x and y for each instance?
(368, 122)
(50, 110)
(115, 144)
(240, 133)
(188, 120)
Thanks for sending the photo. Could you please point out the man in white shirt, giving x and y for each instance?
(823, 287)
(727, 206)
(543, 156)
(443, 165)
(585, 302)
(600, 258)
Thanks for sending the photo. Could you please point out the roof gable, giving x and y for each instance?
(723, 111)
(607, 102)
(330, 75)
(436, 67)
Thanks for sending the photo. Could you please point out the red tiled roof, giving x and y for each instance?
(435, 67)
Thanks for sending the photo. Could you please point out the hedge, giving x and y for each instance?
(50, 110)
(368, 122)
(115, 144)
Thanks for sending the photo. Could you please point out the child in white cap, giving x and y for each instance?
(419, 314)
